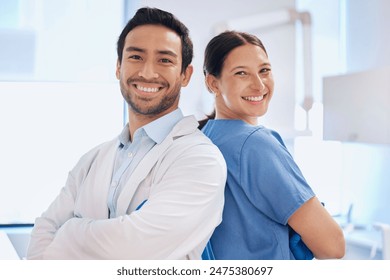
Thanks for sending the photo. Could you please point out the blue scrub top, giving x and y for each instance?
(264, 188)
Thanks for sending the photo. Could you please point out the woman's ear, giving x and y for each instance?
(212, 84)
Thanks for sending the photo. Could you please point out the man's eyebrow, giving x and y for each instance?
(134, 49)
(170, 53)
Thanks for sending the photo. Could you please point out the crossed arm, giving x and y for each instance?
(180, 215)
(318, 230)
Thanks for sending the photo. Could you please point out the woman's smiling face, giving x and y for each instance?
(246, 85)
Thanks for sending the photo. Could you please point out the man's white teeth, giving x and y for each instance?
(254, 98)
(146, 89)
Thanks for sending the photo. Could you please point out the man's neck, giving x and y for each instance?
(137, 120)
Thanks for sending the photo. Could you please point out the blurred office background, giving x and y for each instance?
(59, 97)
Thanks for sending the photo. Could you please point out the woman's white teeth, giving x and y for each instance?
(254, 98)
(146, 89)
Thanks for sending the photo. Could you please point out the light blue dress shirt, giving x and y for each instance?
(130, 153)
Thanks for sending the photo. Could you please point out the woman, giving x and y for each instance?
(266, 194)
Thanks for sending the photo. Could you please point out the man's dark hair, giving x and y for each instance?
(156, 16)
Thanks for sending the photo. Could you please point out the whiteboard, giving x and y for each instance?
(45, 128)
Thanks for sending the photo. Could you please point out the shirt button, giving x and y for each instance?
(130, 155)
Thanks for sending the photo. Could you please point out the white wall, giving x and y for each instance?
(46, 128)
(55, 40)
(367, 34)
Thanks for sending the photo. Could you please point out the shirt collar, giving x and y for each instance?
(157, 130)
(124, 137)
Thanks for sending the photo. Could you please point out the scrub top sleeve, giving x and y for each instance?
(271, 178)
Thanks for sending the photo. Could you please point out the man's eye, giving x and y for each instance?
(165, 60)
(265, 70)
(241, 73)
(134, 56)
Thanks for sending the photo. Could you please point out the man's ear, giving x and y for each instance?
(187, 75)
(212, 84)
(118, 69)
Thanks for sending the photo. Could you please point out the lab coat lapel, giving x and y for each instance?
(186, 126)
(103, 178)
(139, 174)
(92, 198)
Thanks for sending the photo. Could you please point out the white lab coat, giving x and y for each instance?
(183, 180)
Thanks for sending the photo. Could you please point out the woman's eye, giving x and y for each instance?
(241, 73)
(265, 70)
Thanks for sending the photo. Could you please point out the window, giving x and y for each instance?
(59, 96)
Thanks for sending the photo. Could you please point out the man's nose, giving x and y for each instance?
(148, 71)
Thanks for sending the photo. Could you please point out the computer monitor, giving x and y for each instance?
(357, 107)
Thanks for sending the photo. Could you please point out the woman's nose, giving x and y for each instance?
(258, 83)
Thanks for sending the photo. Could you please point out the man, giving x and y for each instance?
(160, 161)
